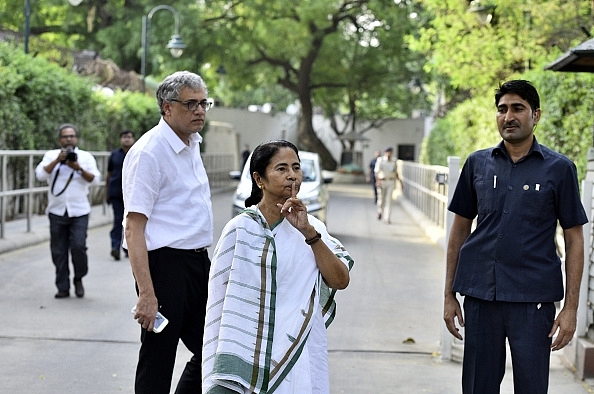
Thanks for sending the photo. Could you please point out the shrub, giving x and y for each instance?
(36, 96)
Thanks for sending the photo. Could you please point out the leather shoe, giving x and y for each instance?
(115, 253)
(62, 294)
(79, 290)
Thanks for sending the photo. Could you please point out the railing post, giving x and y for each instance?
(3, 198)
(30, 185)
(447, 340)
(583, 308)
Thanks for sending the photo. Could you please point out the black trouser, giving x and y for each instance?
(115, 234)
(68, 233)
(180, 280)
(526, 325)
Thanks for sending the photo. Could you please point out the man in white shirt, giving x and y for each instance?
(69, 171)
(169, 224)
(386, 174)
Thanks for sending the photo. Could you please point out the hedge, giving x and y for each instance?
(36, 96)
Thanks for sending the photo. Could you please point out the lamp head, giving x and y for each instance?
(483, 12)
(176, 46)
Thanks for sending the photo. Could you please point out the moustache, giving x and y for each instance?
(511, 124)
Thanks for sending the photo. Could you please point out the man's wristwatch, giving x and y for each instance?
(79, 172)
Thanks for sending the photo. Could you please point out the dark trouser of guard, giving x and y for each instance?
(115, 234)
(180, 280)
(68, 234)
(526, 326)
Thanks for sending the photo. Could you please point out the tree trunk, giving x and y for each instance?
(307, 138)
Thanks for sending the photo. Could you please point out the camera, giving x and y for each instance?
(70, 155)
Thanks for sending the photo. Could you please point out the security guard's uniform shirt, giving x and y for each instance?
(511, 255)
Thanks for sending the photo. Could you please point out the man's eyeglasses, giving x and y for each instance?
(192, 105)
(68, 136)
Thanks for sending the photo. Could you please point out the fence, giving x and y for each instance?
(426, 187)
(23, 196)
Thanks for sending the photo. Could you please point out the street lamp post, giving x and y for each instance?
(27, 19)
(176, 45)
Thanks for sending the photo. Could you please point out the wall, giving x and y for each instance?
(254, 128)
(222, 138)
(394, 133)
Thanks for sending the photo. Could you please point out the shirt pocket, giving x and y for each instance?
(537, 203)
(486, 195)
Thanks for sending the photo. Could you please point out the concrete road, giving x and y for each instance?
(385, 338)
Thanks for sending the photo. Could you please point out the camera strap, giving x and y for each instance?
(67, 182)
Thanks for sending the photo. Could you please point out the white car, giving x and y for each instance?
(313, 191)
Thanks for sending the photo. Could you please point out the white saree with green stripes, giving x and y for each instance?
(267, 310)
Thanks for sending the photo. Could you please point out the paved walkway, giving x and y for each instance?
(385, 338)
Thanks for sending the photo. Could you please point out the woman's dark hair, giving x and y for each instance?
(261, 157)
(522, 88)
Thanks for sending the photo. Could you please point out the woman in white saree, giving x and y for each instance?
(272, 281)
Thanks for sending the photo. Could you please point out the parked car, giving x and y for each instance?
(313, 191)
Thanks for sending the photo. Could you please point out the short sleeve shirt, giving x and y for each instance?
(511, 255)
(385, 168)
(165, 180)
(68, 190)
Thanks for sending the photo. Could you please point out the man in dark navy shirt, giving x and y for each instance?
(114, 195)
(508, 268)
(371, 174)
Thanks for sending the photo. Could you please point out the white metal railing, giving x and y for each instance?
(22, 195)
(426, 187)
(430, 188)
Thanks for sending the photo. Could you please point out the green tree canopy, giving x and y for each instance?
(521, 36)
(347, 57)
(469, 60)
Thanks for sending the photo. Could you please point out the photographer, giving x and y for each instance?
(68, 171)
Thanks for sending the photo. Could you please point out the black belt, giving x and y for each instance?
(197, 250)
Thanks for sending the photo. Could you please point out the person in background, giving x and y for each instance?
(245, 154)
(386, 174)
(371, 173)
(68, 171)
(168, 226)
(113, 191)
(508, 269)
(271, 287)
